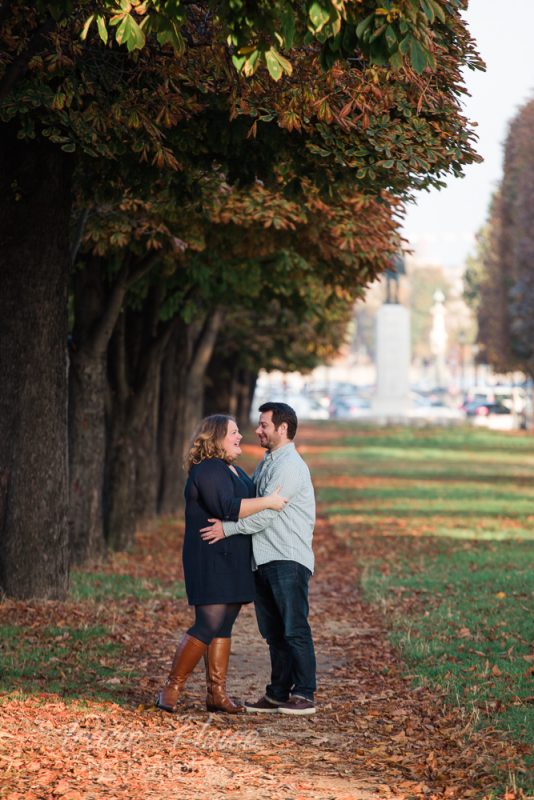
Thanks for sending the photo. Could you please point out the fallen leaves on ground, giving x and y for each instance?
(374, 736)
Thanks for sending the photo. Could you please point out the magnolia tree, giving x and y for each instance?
(159, 158)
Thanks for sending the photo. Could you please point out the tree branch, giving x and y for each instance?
(103, 331)
(122, 387)
(203, 347)
(78, 234)
(144, 267)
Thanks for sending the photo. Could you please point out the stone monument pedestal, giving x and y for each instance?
(392, 398)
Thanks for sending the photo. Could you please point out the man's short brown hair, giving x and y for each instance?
(282, 413)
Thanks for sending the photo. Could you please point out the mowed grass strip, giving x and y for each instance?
(80, 661)
(106, 586)
(75, 663)
(451, 561)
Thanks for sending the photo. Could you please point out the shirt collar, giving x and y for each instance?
(273, 455)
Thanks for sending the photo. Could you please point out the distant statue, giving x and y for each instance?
(392, 279)
(438, 333)
(438, 337)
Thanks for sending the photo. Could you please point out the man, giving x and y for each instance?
(283, 563)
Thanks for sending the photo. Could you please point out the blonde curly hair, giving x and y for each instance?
(207, 439)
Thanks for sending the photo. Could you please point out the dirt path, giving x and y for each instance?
(373, 736)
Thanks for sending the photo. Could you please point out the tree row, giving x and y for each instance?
(171, 222)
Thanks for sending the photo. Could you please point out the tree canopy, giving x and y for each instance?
(500, 278)
(212, 164)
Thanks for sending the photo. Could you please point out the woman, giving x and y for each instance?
(218, 578)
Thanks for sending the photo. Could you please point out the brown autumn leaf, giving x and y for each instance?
(373, 730)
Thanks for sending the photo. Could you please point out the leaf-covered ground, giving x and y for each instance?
(78, 680)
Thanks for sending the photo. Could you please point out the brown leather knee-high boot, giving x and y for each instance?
(216, 659)
(188, 654)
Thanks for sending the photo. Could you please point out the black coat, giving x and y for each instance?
(220, 572)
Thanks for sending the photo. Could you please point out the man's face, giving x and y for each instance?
(269, 437)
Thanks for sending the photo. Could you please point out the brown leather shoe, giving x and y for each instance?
(188, 654)
(265, 705)
(216, 659)
(297, 705)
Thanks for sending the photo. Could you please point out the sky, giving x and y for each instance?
(442, 225)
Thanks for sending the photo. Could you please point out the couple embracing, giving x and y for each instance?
(248, 540)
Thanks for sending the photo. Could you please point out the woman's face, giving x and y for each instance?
(230, 443)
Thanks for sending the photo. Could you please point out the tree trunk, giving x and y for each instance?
(170, 436)
(35, 203)
(97, 306)
(119, 477)
(220, 389)
(181, 405)
(146, 457)
(120, 518)
(247, 387)
(87, 433)
(138, 348)
(87, 448)
(229, 388)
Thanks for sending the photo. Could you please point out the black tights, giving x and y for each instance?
(214, 621)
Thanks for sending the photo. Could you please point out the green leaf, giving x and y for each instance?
(273, 65)
(252, 63)
(376, 35)
(404, 46)
(288, 27)
(378, 53)
(284, 63)
(438, 11)
(238, 62)
(391, 37)
(130, 34)
(395, 60)
(85, 30)
(429, 11)
(173, 37)
(102, 29)
(363, 25)
(334, 43)
(418, 55)
(319, 16)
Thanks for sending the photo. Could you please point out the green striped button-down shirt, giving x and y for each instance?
(281, 535)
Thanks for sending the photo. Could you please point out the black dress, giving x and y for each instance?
(220, 572)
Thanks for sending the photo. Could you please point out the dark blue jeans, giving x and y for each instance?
(282, 613)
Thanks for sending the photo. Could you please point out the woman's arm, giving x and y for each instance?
(217, 493)
(216, 489)
(251, 505)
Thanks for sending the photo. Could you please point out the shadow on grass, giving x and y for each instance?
(462, 619)
(74, 663)
(463, 438)
(437, 509)
(79, 661)
(105, 587)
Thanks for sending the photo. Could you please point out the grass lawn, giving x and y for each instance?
(63, 649)
(443, 523)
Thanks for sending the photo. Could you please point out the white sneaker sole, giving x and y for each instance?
(304, 712)
(251, 710)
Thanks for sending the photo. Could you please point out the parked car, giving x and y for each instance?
(349, 407)
(483, 408)
(306, 408)
(435, 412)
